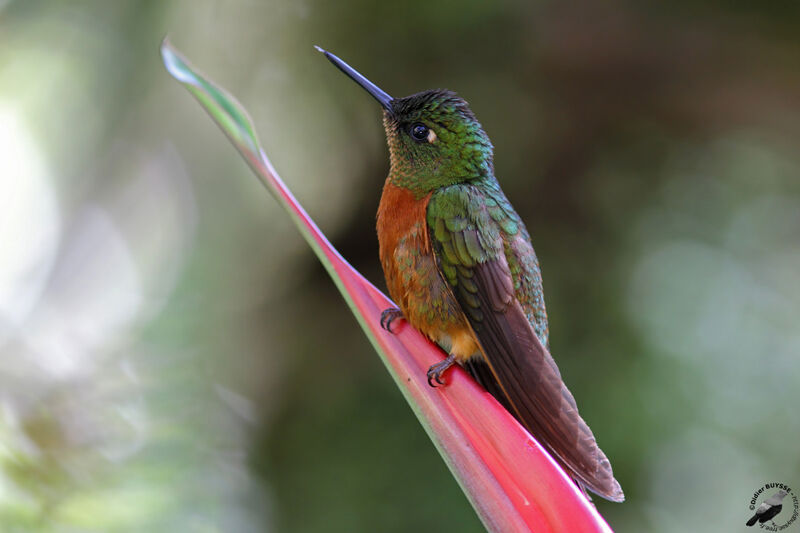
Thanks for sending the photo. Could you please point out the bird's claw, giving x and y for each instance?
(436, 371)
(388, 316)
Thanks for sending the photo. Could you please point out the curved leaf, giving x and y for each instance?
(511, 481)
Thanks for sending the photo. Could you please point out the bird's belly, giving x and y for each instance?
(426, 301)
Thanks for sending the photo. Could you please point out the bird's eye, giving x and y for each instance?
(419, 132)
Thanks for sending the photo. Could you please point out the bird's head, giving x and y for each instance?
(434, 138)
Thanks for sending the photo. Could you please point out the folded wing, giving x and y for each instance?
(517, 369)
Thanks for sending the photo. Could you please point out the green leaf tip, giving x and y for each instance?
(222, 106)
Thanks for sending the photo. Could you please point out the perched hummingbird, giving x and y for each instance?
(460, 265)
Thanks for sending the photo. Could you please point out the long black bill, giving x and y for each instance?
(384, 99)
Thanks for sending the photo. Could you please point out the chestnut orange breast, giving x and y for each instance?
(412, 276)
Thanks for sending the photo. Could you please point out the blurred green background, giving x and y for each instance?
(174, 358)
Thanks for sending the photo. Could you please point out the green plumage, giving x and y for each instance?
(460, 152)
(473, 223)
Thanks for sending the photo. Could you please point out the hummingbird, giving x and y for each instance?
(459, 263)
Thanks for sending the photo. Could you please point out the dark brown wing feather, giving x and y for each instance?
(467, 225)
(527, 379)
(482, 373)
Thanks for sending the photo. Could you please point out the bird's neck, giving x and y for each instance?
(423, 175)
(421, 183)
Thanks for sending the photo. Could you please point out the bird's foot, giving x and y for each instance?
(435, 371)
(388, 316)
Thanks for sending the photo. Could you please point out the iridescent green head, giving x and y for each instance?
(434, 138)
